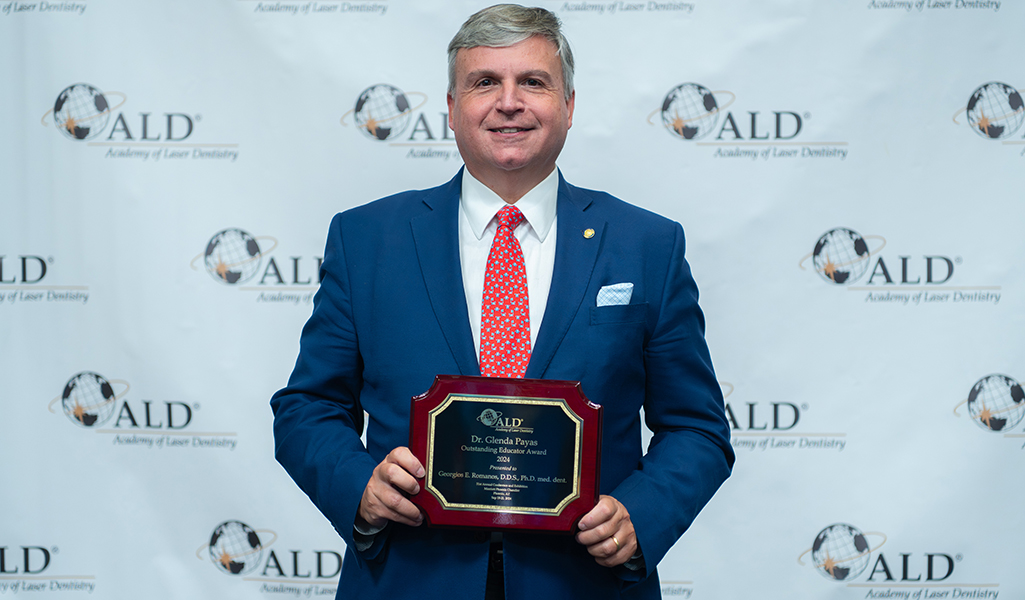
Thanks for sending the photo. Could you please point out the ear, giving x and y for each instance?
(569, 106)
(451, 110)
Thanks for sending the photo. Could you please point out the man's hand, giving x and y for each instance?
(385, 497)
(608, 533)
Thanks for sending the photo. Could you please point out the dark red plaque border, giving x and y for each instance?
(590, 455)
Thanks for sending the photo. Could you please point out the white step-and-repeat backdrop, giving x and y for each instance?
(849, 175)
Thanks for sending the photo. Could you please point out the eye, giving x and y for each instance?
(486, 82)
(534, 82)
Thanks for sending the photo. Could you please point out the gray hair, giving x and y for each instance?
(504, 25)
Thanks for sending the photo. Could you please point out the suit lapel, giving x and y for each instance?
(575, 257)
(436, 236)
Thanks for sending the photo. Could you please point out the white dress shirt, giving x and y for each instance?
(536, 234)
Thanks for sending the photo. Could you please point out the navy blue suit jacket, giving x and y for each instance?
(391, 314)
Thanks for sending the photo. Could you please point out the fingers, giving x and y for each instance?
(608, 533)
(385, 497)
(409, 465)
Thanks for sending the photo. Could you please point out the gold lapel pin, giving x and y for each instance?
(588, 233)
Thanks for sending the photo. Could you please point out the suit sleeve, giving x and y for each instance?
(318, 419)
(690, 454)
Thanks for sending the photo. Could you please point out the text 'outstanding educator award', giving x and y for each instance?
(506, 453)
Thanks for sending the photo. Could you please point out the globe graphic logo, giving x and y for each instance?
(995, 110)
(841, 255)
(232, 255)
(235, 548)
(382, 112)
(841, 552)
(81, 111)
(691, 111)
(996, 403)
(489, 417)
(89, 399)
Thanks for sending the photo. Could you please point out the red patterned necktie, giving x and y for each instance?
(505, 313)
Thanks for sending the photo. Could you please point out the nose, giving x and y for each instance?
(509, 99)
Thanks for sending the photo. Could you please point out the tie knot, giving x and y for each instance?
(510, 217)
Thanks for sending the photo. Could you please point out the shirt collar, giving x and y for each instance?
(538, 205)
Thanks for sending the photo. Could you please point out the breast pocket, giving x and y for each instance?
(615, 346)
(620, 313)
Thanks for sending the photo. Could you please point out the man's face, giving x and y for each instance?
(509, 110)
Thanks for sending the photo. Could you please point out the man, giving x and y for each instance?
(609, 302)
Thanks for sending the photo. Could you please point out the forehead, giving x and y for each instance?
(535, 54)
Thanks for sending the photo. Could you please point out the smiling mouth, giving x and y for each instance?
(510, 129)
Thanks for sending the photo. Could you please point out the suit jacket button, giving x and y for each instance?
(481, 536)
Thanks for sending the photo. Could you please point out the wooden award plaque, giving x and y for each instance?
(506, 453)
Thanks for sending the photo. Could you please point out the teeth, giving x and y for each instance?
(509, 130)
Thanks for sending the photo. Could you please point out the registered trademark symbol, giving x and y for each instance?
(807, 115)
(199, 117)
(49, 259)
(958, 260)
(54, 550)
(196, 406)
(804, 407)
(958, 557)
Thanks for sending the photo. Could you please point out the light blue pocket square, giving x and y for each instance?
(617, 293)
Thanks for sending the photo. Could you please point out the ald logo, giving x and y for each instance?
(28, 560)
(842, 256)
(490, 417)
(235, 548)
(691, 111)
(841, 552)
(774, 426)
(90, 400)
(30, 569)
(995, 403)
(233, 256)
(82, 112)
(27, 278)
(384, 112)
(23, 269)
(782, 416)
(995, 111)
